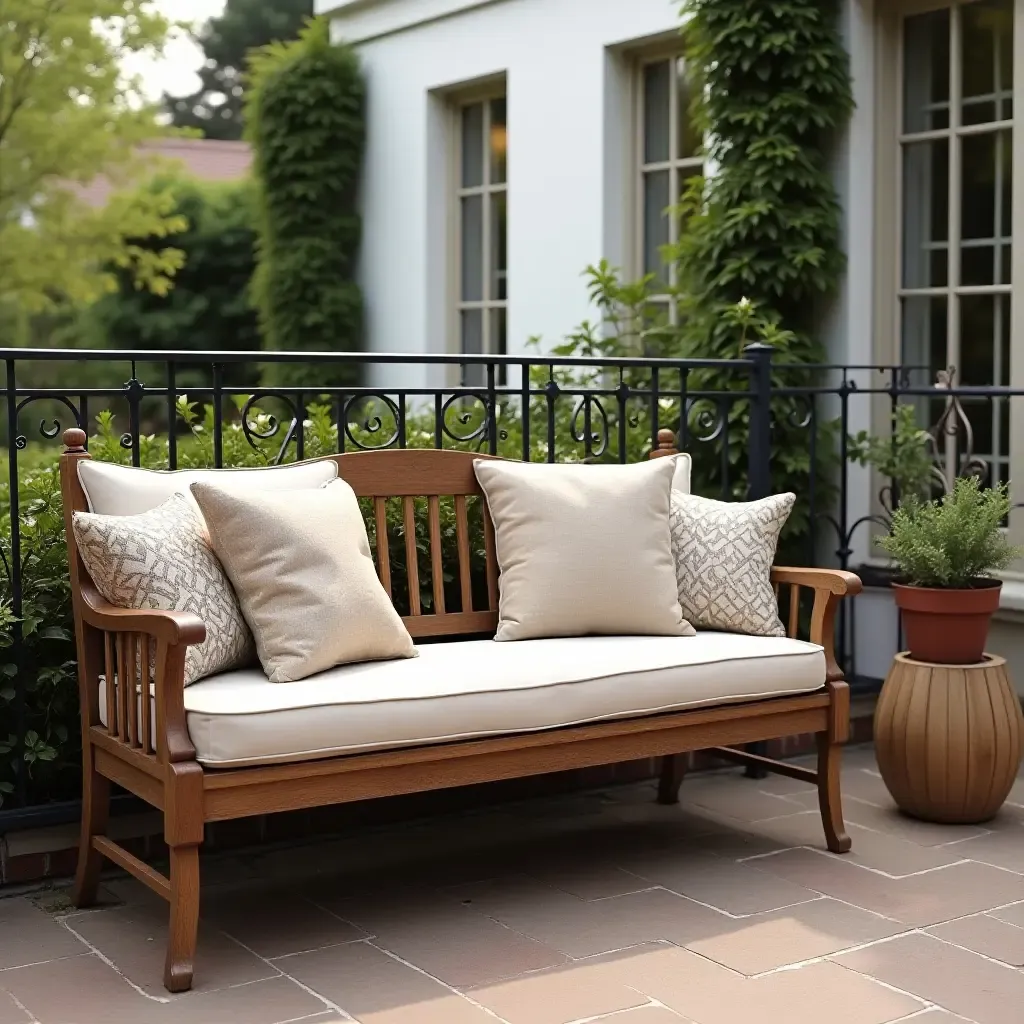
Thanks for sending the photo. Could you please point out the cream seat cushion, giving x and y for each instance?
(478, 688)
(113, 490)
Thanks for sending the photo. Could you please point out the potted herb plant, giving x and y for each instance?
(948, 726)
(945, 552)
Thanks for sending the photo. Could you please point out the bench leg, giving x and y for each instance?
(673, 769)
(95, 813)
(184, 925)
(830, 797)
(183, 831)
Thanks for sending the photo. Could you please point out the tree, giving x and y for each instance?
(68, 115)
(306, 122)
(216, 107)
(209, 309)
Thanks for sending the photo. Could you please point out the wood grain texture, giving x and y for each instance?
(949, 738)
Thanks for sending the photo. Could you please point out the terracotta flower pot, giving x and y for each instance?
(947, 627)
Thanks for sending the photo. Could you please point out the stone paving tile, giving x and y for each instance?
(574, 992)
(77, 990)
(744, 803)
(448, 940)
(134, 937)
(650, 1014)
(768, 941)
(704, 991)
(262, 1002)
(953, 978)
(286, 922)
(871, 848)
(10, 1011)
(719, 882)
(580, 928)
(987, 935)
(1004, 849)
(918, 900)
(375, 988)
(1013, 914)
(718, 911)
(29, 935)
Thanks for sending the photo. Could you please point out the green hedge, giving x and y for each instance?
(305, 120)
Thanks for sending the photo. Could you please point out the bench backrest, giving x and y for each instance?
(409, 477)
(435, 497)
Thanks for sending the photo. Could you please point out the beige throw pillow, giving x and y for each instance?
(163, 559)
(724, 553)
(302, 569)
(583, 549)
(115, 490)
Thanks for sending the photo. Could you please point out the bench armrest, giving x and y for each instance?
(830, 586)
(172, 627)
(174, 632)
(836, 581)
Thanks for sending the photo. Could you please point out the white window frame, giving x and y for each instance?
(679, 168)
(889, 216)
(483, 95)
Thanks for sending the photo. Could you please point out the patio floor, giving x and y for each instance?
(591, 907)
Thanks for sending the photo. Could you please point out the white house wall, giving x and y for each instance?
(569, 161)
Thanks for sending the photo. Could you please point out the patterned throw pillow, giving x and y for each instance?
(724, 553)
(163, 559)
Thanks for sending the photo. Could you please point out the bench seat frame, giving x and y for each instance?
(157, 761)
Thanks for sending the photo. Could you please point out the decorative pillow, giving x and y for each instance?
(163, 559)
(724, 553)
(583, 549)
(114, 490)
(304, 577)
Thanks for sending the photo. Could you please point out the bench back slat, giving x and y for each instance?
(462, 538)
(436, 557)
(429, 476)
(380, 517)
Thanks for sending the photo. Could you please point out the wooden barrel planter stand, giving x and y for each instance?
(949, 738)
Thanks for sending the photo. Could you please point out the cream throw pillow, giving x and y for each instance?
(114, 490)
(583, 549)
(302, 569)
(724, 553)
(163, 559)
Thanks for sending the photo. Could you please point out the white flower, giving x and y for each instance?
(744, 305)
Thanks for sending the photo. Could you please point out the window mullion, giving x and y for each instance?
(954, 227)
(486, 255)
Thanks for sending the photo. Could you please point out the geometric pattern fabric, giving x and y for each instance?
(724, 553)
(163, 559)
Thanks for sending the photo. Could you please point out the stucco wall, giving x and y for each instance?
(570, 123)
(568, 104)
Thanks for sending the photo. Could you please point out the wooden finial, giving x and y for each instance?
(666, 444)
(74, 441)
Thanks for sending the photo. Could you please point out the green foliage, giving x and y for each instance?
(67, 115)
(305, 120)
(209, 309)
(772, 88)
(954, 542)
(760, 244)
(215, 108)
(904, 457)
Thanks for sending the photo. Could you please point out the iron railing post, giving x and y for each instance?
(759, 442)
(759, 454)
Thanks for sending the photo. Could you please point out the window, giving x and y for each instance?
(956, 185)
(482, 230)
(669, 154)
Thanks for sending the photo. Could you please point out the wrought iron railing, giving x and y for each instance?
(752, 424)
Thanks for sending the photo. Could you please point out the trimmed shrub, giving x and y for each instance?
(305, 120)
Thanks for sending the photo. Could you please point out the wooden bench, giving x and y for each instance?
(156, 759)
